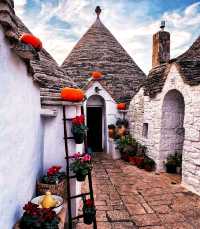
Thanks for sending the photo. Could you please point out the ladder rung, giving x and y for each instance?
(67, 119)
(77, 217)
(68, 138)
(71, 177)
(80, 195)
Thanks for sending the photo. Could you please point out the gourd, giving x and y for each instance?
(121, 106)
(72, 94)
(96, 75)
(29, 39)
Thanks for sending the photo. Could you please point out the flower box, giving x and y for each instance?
(55, 189)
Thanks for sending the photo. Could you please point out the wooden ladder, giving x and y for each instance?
(68, 158)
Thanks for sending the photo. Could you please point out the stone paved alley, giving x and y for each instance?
(128, 197)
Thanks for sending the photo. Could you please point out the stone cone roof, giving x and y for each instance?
(98, 50)
(188, 65)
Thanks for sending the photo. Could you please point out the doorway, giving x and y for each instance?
(94, 124)
(172, 130)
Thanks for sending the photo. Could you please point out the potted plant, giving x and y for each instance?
(111, 131)
(149, 164)
(122, 125)
(178, 157)
(81, 166)
(174, 163)
(53, 181)
(35, 217)
(171, 164)
(89, 211)
(78, 129)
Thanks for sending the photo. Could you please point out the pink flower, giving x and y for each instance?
(86, 157)
(77, 156)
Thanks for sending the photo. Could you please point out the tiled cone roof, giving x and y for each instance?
(189, 67)
(44, 69)
(98, 50)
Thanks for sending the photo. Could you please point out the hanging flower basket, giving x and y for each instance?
(121, 106)
(96, 75)
(72, 94)
(78, 129)
(29, 39)
(89, 211)
(81, 166)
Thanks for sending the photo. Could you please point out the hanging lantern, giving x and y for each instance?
(96, 75)
(29, 39)
(121, 106)
(72, 94)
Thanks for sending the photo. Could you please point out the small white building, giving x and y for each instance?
(98, 50)
(31, 117)
(165, 113)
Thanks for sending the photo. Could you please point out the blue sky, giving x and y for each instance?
(61, 23)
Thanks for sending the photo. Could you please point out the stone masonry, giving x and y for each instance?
(144, 109)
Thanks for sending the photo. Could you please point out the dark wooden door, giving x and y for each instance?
(94, 124)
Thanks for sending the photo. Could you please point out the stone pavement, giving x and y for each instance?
(128, 197)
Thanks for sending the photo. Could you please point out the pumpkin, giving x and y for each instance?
(29, 39)
(121, 106)
(96, 75)
(72, 94)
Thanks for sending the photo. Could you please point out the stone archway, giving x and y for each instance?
(172, 131)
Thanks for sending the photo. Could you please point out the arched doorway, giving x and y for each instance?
(172, 131)
(96, 123)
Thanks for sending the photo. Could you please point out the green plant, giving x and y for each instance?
(122, 122)
(173, 161)
(81, 165)
(54, 176)
(149, 163)
(35, 217)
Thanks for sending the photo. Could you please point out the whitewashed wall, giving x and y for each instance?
(54, 147)
(20, 136)
(151, 112)
(111, 112)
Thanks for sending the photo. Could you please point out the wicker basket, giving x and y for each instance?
(56, 189)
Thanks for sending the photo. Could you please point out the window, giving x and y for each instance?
(145, 130)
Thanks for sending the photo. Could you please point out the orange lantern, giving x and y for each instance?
(72, 94)
(29, 39)
(121, 106)
(96, 75)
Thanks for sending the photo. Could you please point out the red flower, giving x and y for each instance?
(78, 120)
(89, 203)
(53, 170)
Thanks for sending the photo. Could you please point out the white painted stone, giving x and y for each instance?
(20, 136)
(110, 111)
(150, 111)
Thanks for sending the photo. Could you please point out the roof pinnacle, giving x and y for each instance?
(98, 11)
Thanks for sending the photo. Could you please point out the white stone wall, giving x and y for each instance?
(21, 136)
(111, 112)
(153, 115)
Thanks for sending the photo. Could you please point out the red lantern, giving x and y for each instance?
(29, 39)
(72, 94)
(121, 106)
(96, 75)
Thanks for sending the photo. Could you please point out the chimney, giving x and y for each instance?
(161, 46)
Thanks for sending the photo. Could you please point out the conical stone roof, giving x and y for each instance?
(98, 50)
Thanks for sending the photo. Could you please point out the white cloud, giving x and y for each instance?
(19, 6)
(133, 30)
